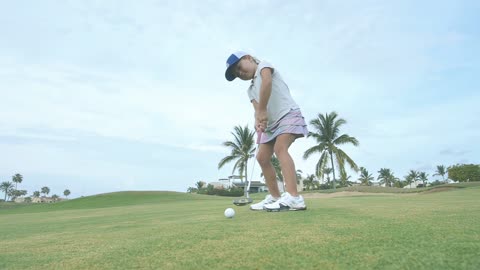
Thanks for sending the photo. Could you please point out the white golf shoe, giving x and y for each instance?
(259, 206)
(287, 203)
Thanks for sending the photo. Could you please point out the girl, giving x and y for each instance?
(278, 121)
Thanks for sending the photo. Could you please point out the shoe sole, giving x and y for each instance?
(286, 208)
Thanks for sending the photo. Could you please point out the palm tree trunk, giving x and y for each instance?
(333, 170)
(245, 191)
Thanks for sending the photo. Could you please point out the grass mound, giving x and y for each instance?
(114, 199)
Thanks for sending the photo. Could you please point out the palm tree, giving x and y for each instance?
(277, 167)
(365, 177)
(386, 177)
(344, 178)
(200, 184)
(413, 177)
(408, 180)
(6, 187)
(441, 171)
(299, 177)
(36, 194)
(17, 178)
(328, 138)
(66, 192)
(308, 181)
(45, 190)
(424, 178)
(327, 171)
(242, 149)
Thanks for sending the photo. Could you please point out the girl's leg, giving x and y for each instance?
(282, 143)
(264, 158)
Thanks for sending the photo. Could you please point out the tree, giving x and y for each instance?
(386, 177)
(464, 172)
(415, 175)
(192, 190)
(344, 179)
(441, 171)
(328, 138)
(242, 148)
(277, 167)
(308, 182)
(412, 177)
(365, 177)
(424, 178)
(17, 178)
(55, 197)
(45, 190)
(66, 192)
(6, 187)
(408, 180)
(36, 194)
(15, 193)
(326, 172)
(200, 184)
(299, 177)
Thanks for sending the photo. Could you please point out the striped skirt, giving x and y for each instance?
(291, 123)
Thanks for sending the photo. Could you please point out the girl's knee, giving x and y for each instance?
(263, 159)
(280, 150)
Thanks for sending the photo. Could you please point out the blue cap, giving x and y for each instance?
(231, 61)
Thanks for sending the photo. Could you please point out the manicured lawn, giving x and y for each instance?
(166, 230)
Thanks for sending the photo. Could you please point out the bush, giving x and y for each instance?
(464, 172)
(231, 192)
(436, 183)
(325, 186)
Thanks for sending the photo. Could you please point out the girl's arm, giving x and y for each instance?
(265, 92)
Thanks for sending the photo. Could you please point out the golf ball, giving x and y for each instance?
(229, 213)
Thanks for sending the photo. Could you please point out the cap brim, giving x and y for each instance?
(229, 74)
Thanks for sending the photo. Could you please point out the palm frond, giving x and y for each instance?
(316, 149)
(345, 139)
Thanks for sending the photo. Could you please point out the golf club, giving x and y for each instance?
(247, 200)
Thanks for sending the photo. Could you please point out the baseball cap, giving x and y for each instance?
(231, 61)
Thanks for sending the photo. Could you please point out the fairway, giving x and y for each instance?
(168, 230)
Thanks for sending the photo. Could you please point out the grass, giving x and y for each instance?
(377, 189)
(168, 230)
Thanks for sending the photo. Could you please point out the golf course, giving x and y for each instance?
(437, 228)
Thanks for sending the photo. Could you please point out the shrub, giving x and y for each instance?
(464, 172)
(436, 183)
(231, 192)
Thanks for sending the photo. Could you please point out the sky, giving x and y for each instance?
(104, 96)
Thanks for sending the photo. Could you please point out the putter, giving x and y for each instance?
(247, 200)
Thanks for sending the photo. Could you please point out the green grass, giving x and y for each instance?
(377, 189)
(167, 230)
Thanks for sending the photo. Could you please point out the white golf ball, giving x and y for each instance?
(229, 213)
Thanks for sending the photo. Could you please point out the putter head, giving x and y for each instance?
(242, 201)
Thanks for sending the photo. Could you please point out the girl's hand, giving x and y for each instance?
(261, 120)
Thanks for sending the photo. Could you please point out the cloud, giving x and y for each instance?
(451, 152)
